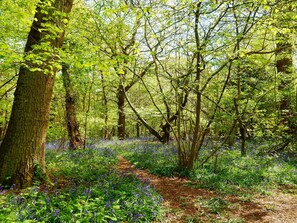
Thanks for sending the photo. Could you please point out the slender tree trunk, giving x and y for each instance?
(188, 163)
(22, 151)
(88, 106)
(284, 65)
(238, 118)
(75, 140)
(138, 129)
(165, 132)
(106, 132)
(121, 113)
(242, 130)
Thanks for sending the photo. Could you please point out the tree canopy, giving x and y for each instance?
(176, 70)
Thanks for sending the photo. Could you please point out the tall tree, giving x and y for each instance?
(199, 51)
(75, 140)
(22, 151)
(118, 24)
(284, 60)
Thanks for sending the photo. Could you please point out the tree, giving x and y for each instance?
(284, 61)
(75, 140)
(118, 25)
(22, 152)
(13, 14)
(197, 48)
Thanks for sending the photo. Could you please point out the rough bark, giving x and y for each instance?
(22, 152)
(75, 140)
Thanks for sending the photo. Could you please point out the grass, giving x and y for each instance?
(84, 188)
(235, 174)
(232, 174)
(159, 159)
(214, 205)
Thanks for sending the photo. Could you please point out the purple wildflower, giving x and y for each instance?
(56, 212)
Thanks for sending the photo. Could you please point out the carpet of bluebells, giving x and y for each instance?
(83, 186)
(158, 158)
(228, 172)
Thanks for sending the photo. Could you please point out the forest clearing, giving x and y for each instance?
(148, 111)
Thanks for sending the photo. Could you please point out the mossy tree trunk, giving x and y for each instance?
(22, 151)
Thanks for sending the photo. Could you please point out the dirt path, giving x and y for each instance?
(188, 204)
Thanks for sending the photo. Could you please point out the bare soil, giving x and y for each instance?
(187, 204)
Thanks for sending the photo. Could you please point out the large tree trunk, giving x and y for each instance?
(75, 140)
(22, 152)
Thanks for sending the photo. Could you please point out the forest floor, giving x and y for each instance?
(185, 203)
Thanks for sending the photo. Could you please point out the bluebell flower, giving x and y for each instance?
(20, 200)
(48, 200)
(109, 203)
(136, 216)
(31, 216)
(56, 212)
(71, 191)
(88, 192)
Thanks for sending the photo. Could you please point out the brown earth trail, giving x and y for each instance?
(182, 202)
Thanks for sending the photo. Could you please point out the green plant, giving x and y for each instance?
(86, 188)
(215, 205)
(233, 174)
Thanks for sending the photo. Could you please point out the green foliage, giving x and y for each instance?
(235, 173)
(85, 188)
(157, 158)
(215, 205)
(232, 173)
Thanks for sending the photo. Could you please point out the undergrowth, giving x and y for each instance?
(229, 173)
(84, 188)
(159, 159)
